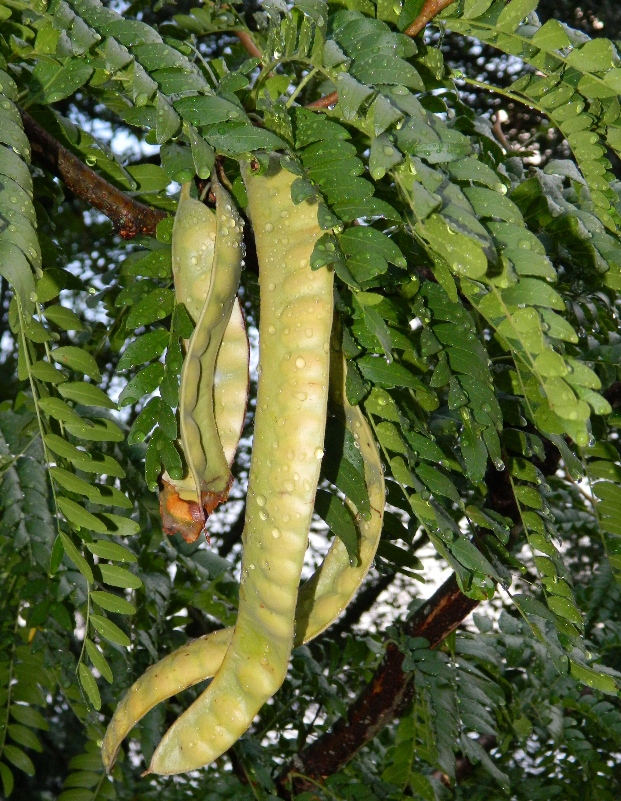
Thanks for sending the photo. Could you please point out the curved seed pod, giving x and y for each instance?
(207, 257)
(290, 423)
(230, 384)
(320, 600)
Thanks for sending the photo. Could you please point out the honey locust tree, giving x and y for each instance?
(477, 281)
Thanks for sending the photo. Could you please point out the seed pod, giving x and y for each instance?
(207, 257)
(320, 600)
(296, 318)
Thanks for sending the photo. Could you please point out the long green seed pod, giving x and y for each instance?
(296, 318)
(207, 258)
(320, 600)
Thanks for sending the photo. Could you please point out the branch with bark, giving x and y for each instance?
(430, 10)
(383, 699)
(128, 216)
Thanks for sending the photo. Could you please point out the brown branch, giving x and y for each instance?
(128, 216)
(248, 42)
(430, 10)
(324, 102)
(384, 698)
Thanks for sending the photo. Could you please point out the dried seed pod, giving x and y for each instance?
(207, 257)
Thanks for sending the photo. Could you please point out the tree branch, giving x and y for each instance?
(128, 216)
(430, 10)
(384, 698)
(248, 42)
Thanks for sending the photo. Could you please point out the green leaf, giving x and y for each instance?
(167, 121)
(119, 577)
(532, 292)
(99, 663)
(24, 736)
(378, 371)
(113, 603)
(155, 306)
(209, 110)
(29, 717)
(85, 394)
(511, 16)
(462, 254)
(18, 758)
(595, 55)
(563, 607)
(109, 630)
(76, 794)
(592, 678)
(76, 557)
(150, 177)
(143, 383)
(110, 550)
(101, 494)
(79, 517)
(89, 685)
(235, 139)
(120, 526)
(340, 521)
(351, 94)
(98, 430)
(471, 557)
(64, 318)
(399, 556)
(15, 268)
(52, 81)
(78, 360)
(552, 36)
(7, 779)
(45, 372)
(144, 349)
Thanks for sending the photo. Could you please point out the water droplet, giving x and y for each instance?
(300, 363)
(318, 453)
(261, 500)
(271, 329)
(269, 227)
(271, 286)
(301, 396)
(252, 567)
(263, 515)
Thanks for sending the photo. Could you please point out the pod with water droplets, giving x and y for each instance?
(320, 599)
(286, 458)
(207, 259)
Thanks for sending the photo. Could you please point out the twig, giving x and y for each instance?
(248, 42)
(128, 216)
(500, 134)
(430, 10)
(324, 102)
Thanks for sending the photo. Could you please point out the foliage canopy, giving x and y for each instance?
(478, 287)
